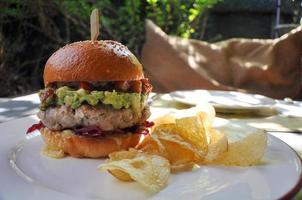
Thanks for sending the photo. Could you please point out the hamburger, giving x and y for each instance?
(94, 101)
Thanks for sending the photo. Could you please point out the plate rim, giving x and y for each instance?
(298, 186)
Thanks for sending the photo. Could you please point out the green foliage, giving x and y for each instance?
(31, 30)
(120, 20)
(124, 20)
(181, 18)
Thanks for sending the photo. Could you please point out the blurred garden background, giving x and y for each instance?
(31, 30)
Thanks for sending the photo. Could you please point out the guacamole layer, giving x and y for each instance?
(75, 98)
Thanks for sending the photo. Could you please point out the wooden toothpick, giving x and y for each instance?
(94, 24)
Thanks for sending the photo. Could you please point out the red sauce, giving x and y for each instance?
(144, 130)
(34, 127)
(148, 124)
(146, 86)
(85, 85)
(136, 86)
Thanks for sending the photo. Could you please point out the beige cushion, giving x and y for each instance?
(264, 66)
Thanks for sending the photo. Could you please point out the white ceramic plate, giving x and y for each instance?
(26, 174)
(228, 102)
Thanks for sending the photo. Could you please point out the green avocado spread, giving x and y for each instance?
(75, 98)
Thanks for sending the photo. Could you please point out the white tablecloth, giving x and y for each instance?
(18, 107)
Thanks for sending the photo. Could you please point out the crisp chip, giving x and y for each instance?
(217, 146)
(193, 131)
(150, 145)
(177, 148)
(178, 143)
(206, 112)
(119, 155)
(181, 154)
(175, 168)
(165, 119)
(245, 152)
(182, 143)
(120, 174)
(151, 171)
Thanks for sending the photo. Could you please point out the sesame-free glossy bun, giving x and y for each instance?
(92, 61)
(85, 147)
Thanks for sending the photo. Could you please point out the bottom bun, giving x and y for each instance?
(80, 146)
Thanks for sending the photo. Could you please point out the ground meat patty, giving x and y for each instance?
(105, 117)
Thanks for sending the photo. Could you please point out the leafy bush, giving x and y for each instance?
(31, 30)
(124, 21)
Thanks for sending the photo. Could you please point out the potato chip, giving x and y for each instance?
(175, 168)
(161, 149)
(151, 171)
(192, 124)
(180, 158)
(153, 146)
(178, 143)
(193, 131)
(177, 153)
(178, 149)
(207, 114)
(245, 152)
(181, 154)
(146, 139)
(182, 143)
(149, 145)
(119, 155)
(165, 119)
(121, 175)
(218, 145)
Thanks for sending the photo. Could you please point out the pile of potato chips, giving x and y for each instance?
(179, 142)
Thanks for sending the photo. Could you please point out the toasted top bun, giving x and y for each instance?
(103, 60)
